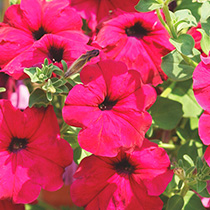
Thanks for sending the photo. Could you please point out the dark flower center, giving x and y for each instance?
(17, 144)
(107, 104)
(56, 54)
(39, 33)
(136, 31)
(124, 166)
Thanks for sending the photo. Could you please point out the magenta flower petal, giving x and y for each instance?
(53, 47)
(9, 205)
(117, 183)
(14, 41)
(110, 107)
(26, 16)
(57, 15)
(139, 40)
(201, 87)
(32, 155)
(26, 24)
(94, 10)
(107, 134)
(204, 128)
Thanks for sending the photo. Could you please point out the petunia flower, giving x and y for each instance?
(204, 133)
(53, 47)
(95, 10)
(29, 22)
(32, 155)
(110, 107)
(197, 37)
(201, 83)
(131, 180)
(9, 205)
(139, 40)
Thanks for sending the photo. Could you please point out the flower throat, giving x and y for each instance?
(136, 31)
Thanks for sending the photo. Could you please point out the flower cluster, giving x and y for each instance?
(106, 103)
(202, 94)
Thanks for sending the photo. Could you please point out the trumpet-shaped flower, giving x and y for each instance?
(203, 129)
(53, 47)
(139, 40)
(201, 83)
(29, 22)
(32, 155)
(110, 107)
(131, 180)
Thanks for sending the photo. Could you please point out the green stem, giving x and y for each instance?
(189, 61)
(184, 190)
(183, 123)
(163, 22)
(167, 146)
(168, 90)
(169, 20)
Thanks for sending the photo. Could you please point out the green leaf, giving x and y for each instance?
(38, 96)
(194, 122)
(183, 134)
(205, 41)
(183, 19)
(2, 89)
(150, 131)
(57, 82)
(148, 5)
(183, 93)
(204, 193)
(184, 44)
(189, 149)
(79, 154)
(205, 17)
(65, 67)
(166, 113)
(58, 71)
(175, 202)
(176, 68)
(180, 184)
(192, 202)
(62, 89)
(189, 160)
(194, 7)
(201, 185)
(34, 207)
(199, 164)
(31, 72)
(46, 62)
(49, 96)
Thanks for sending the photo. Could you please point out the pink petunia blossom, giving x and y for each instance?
(32, 155)
(29, 22)
(139, 40)
(53, 47)
(204, 133)
(9, 205)
(110, 107)
(201, 83)
(95, 10)
(131, 180)
(197, 37)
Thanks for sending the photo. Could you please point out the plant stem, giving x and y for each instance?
(169, 20)
(167, 146)
(168, 90)
(184, 190)
(189, 61)
(163, 22)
